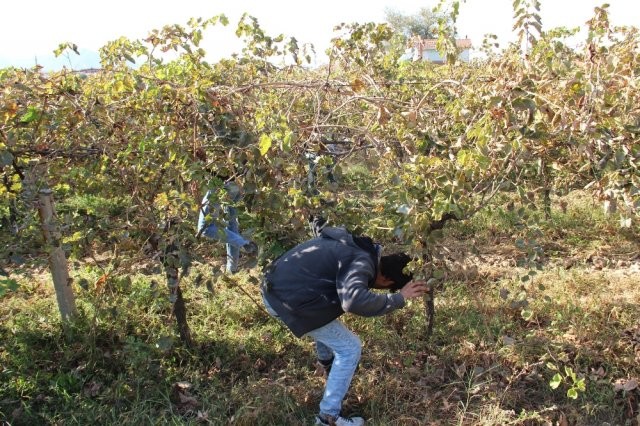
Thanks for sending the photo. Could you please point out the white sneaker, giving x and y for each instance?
(324, 420)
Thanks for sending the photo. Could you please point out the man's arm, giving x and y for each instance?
(357, 298)
(353, 290)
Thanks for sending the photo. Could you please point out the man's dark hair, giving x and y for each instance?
(391, 266)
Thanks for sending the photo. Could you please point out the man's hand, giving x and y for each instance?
(414, 289)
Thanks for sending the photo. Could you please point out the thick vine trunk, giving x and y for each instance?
(180, 311)
(170, 262)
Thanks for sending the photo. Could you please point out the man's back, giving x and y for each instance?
(318, 280)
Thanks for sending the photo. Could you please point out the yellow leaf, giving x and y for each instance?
(118, 86)
(265, 144)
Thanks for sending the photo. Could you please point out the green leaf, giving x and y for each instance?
(265, 144)
(556, 380)
(32, 114)
(438, 274)
(572, 393)
(568, 371)
(526, 314)
(287, 142)
(7, 285)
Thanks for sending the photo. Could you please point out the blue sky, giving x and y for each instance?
(30, 31)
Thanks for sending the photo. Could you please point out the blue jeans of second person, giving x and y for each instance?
(231, 235)
(334, 339)
(233, 250)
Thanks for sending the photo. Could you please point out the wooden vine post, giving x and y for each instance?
(57, 259)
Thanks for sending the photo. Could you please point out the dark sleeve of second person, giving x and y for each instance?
(355, 296)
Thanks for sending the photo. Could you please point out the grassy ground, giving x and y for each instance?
(498, 342)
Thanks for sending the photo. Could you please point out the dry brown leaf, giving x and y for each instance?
(319, 371)
(460, 369)
(630, 385)
(357, 85)
(625, 385)
(187, 399)
(202, 416)
(383, 115)
(100, 283)
(562, 421)
(92, 389)
(410, 116)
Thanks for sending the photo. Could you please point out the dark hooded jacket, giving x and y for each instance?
(317, 281)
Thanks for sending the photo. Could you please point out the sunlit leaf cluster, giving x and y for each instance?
(418, 144)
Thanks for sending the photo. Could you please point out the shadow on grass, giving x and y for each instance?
(106, 377)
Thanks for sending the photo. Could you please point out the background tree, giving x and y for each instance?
(423, 23)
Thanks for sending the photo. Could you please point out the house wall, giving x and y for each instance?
(434, 56)
(431, 56)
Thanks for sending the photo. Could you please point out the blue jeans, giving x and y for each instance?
(334, 339)
(233, 230)
(230, 235)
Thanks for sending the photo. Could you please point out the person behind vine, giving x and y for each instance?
(331, 149)
(310, 286)
(319, 220)
(208, 217)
